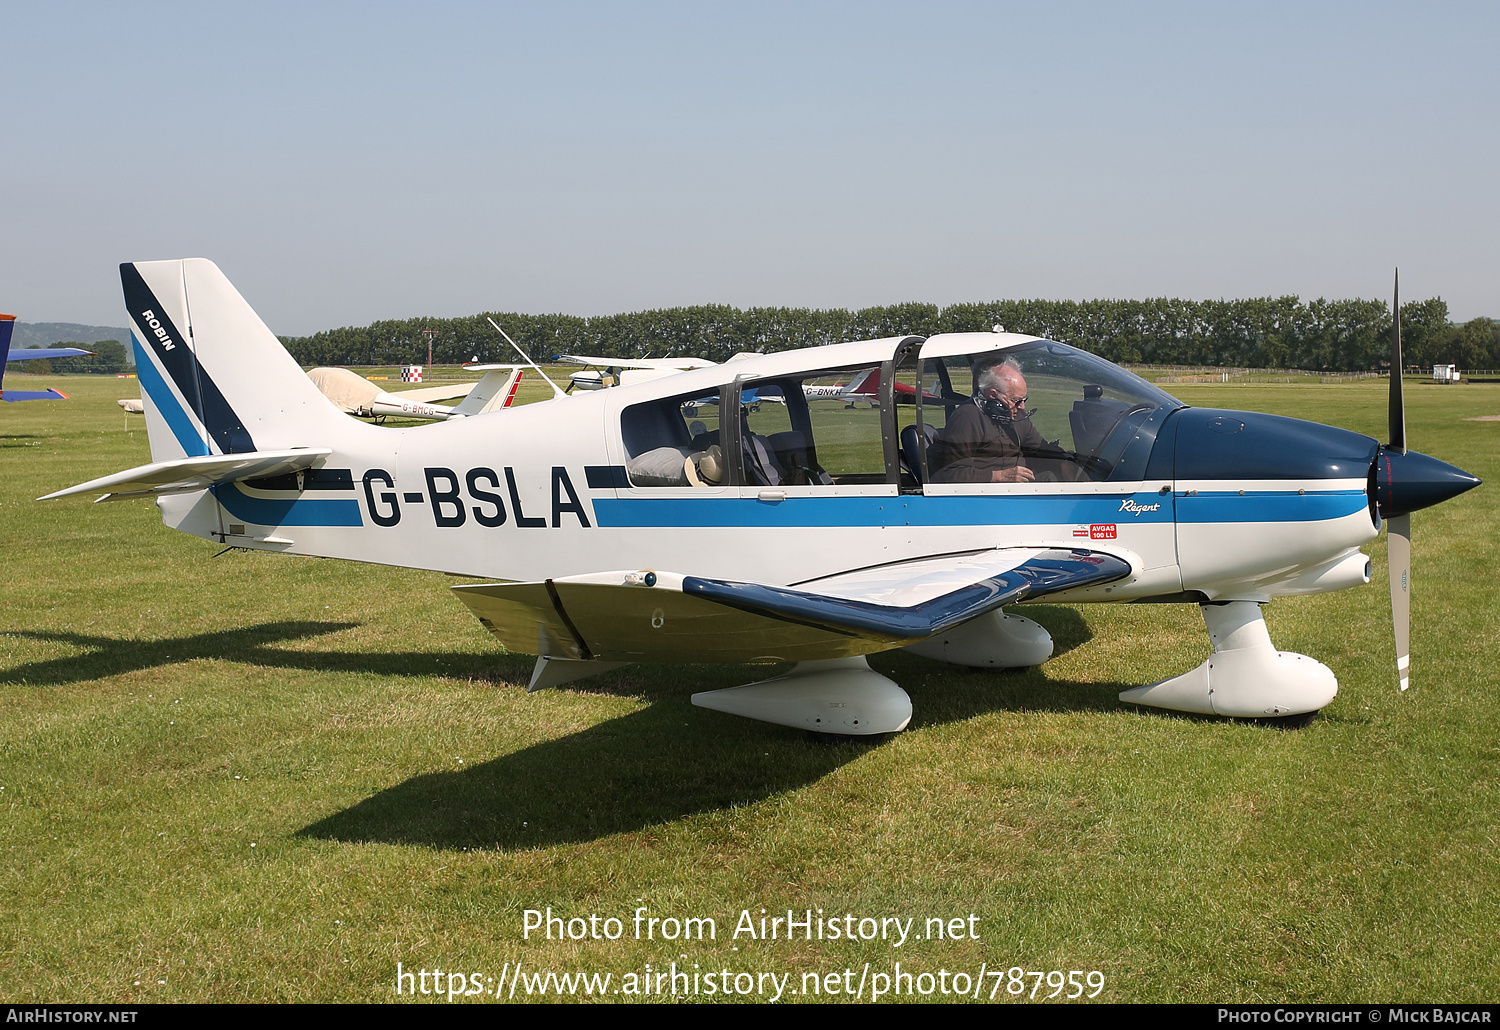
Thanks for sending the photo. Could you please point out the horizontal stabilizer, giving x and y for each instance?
(199, 473)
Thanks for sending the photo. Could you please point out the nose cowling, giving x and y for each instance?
(1402, 482)
(1239, 445)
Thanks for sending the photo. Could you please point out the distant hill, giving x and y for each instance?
(50, 334)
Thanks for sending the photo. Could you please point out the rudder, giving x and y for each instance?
(214, 378)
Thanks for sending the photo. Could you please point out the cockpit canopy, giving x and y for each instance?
(893, 418)
(1092, 420)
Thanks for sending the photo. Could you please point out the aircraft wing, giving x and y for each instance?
(353, 394)
(432, 394)
(618, 617)
(33, 395)
(196, 473)
(670, 364)
(46, 352)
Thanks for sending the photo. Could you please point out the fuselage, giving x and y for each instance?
(1204, 505)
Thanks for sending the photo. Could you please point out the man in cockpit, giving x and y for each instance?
(987, 440)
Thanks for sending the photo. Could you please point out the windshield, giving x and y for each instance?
(1037, 412)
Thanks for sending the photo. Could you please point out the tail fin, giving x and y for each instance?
(7, 326)
(864, 386)
(214, 379)
(495, 391)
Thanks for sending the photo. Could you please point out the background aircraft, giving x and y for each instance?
(353, 394)
(607, 372)
(863, 387)
(835, 533)
(7, 327)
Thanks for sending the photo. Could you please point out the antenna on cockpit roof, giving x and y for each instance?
(555, 391)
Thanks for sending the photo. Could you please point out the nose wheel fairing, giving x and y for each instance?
(1245, 677)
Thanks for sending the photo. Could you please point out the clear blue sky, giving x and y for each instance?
(346, 162)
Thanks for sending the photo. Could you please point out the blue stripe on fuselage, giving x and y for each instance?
(161, 398)
(1270, 506)
(972, 510)
(907, 510)
(267, 511)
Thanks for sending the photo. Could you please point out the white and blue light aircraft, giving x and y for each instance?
(617, 529)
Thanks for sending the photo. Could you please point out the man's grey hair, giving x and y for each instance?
(990, 376)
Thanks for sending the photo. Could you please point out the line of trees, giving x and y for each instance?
(1266, 332)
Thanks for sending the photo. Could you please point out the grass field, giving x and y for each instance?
(253, 778)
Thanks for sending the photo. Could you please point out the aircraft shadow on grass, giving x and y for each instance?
(662, 764)
(251, 645)
(109, 656)
(651, 767)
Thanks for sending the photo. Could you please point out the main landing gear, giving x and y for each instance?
(837, 695)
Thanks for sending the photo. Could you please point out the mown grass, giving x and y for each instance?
(247, 777)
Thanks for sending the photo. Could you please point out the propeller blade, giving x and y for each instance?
(1398, 558)
(1398, 537)
(1396, 415)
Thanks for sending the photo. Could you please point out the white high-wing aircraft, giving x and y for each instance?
(353, 394)
(610, 372)
(829, 533)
